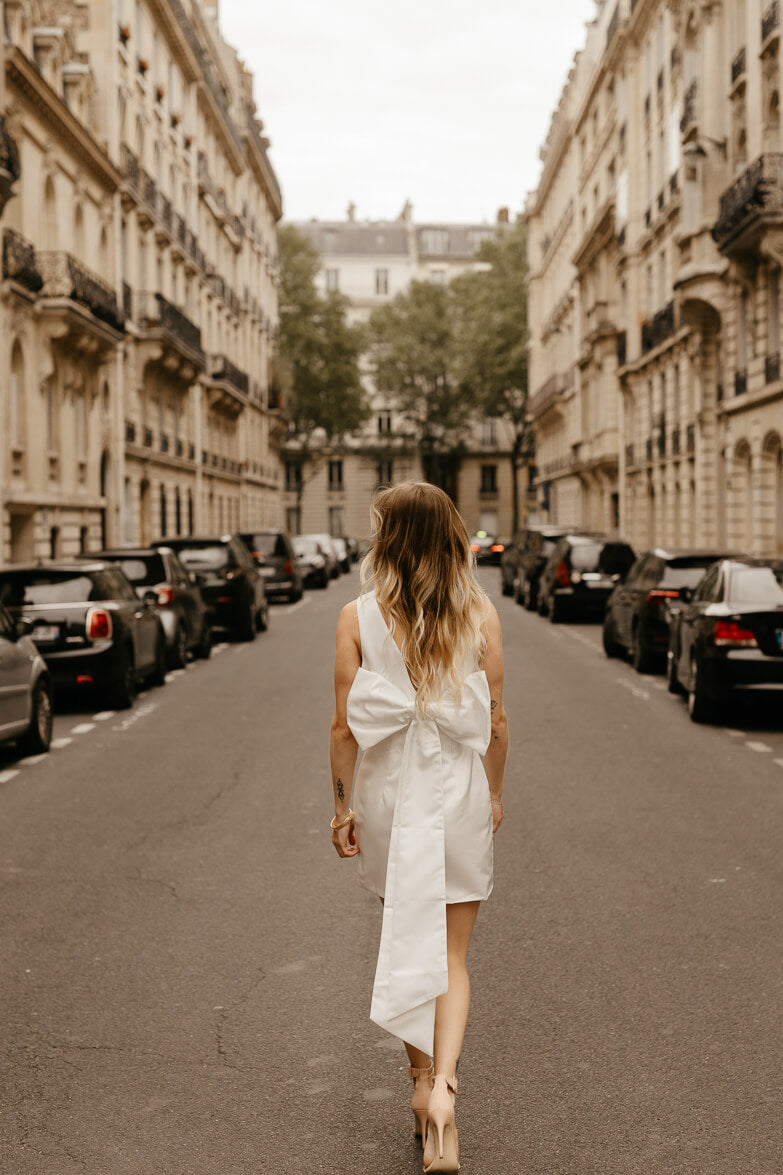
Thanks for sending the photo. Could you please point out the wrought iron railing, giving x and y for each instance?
(19, 263)
(738, 66)
(770, 20)
(149, 189)
(130, 432)
(221, 368)
(690, 105)
(179, 229)
(656, 330)
(127, 300)
(547, 394)
(165, 211)
(156, 312)
(129, 167)
(758, 190)
(65, 277)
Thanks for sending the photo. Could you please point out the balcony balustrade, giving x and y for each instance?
(179, 230)
(154, 312)
(770, 21)
(19, 263)
(547, 394)
(772, 368)
(149, 191)
(222, 369)
(165, 212)
(129, 168)
(756, 196)
(690, 106)
(656, 330)
(65, 277)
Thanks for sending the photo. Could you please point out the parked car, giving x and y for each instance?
(728, 635)
(639, 610)
(326, 543)
(273, 553)
(353, 547)
(580, 575)
(539, 544)
(343, 556)
(229, 580)
(90, 626)
(487, 547)
(183, 613)
(25, 688)
(312, 561)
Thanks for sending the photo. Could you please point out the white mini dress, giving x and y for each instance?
(423, 820)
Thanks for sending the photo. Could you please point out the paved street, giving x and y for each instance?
(187, 966)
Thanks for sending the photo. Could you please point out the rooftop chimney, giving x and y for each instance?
(502, 215)
(351, 212)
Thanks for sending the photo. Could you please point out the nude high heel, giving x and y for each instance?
(441, 1152)
(422, 1088)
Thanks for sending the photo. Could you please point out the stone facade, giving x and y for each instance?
(371, 262)
(656, 241)
(138, 307)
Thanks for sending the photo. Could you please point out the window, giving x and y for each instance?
(81, 427)
(16, 399)
(384, 422)
(293, 475)
(292, 520)
(489, 479)
(434, 240)
(83, 537)
(774, 312)
(385, 472)
(336, 527)
(335, 475)
(163, 511)
(381, 281)
(489, 432)
(332, 280)
(54, 542)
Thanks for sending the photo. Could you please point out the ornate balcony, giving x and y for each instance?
(738, 66)
(170, 338)
(10, 168)
(227, 386)
(65, 277)
(221, 368)
(19, 263)
(752, 203)
(659, 328)
(547, 396)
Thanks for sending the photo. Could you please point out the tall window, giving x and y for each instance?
(489, 432)
(381, 281)
(52, 431)
(332, 279)
(743, 331)
(489, 479)
(384, 422)
(385, 472)
(16, 428)
(293, 475)
(335, 475)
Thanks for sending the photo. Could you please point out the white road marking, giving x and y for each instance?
(83, 728)
(57, 744)
(295, 607)
(31, 760)
(104, 715)
(135, 716)
(175, 673)
(735, 733)
(718, 880)
(636, 690)
(778, 762)
(756, 746)
(7, 776)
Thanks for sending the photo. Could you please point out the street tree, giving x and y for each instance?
(411, 355)
(319, 357)
(490, 313)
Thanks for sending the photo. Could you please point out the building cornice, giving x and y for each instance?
(28, 83)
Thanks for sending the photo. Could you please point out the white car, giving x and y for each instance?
(25, 688)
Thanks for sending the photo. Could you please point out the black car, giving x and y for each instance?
(640, 608)
(312, 562)
(580, 575)
(90, 627)
(539, 543)
(728, 635)
(183, 613)
(273, 554)
(229, 580)
(487, 547)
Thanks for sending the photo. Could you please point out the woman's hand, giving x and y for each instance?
(344, 840)
(497, 812)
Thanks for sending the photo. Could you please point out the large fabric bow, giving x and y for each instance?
(412, 968)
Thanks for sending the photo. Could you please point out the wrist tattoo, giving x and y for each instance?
(340, 790)
(493, 705)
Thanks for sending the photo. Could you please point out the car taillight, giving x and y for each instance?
(563, 575)
(288, 568)
(727, 633)
(165, 596)
(98, 626)
(497, 547)
(659, 596)
(258, 556)
(475, 547)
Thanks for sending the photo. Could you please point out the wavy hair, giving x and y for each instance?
(421, 568)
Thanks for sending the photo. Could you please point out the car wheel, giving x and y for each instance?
(38, 736)
(248, 630)
(640, 656)
(262, 618)
(203, 649)
(555, 609)
(158, 674)
(529, 598)
(699, 705)
(123, 693)
(609, 638)
(673, 683)
(178, 657)
(323, 582)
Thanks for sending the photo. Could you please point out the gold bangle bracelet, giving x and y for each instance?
(347, 820)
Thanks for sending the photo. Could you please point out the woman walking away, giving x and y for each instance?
(419, 683)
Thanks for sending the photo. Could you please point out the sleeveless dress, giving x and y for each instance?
(423, 820)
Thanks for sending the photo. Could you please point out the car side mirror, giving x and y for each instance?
(22, 628)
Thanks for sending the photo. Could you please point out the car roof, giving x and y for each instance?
(668, 553)
(128, 552)
(192, 540)
(87, 564)
(754, 561)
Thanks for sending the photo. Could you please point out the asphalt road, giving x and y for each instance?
(186, 965)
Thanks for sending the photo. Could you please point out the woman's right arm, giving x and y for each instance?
(343, 748)
(495, 758)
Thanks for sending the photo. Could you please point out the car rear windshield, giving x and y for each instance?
(609, 558)
(757, 586)
(212, 558)
(267, 543)
(306, 547)
(48, 587)
(145, 571)
(677, 575)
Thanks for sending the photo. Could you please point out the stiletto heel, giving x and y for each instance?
(422, 1088)
(441, 1151)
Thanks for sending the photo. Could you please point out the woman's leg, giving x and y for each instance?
(451, 1010)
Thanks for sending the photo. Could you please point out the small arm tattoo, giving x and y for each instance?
(493, 705)
(340, 789)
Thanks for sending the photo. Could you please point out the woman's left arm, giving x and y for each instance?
(343, 747)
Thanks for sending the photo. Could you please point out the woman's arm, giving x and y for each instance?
(342, 745)
(495, 758)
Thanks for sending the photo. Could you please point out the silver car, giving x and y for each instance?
(25, 688)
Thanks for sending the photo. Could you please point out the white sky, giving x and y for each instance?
(443, 102)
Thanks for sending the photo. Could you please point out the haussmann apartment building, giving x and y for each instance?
(138, 304)
(655, 255)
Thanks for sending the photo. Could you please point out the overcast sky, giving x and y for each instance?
(445, 102)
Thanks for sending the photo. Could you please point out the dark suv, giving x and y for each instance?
(638, 614)
(274, 556)
(229, 580)
(581, 574)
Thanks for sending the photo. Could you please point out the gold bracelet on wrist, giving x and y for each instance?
(346, 820)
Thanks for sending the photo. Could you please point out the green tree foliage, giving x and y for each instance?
(411, 350)
(319, 356)
(490, 308)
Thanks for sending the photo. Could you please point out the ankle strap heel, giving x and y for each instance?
(441, 1152)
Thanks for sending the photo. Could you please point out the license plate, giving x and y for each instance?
(779, 637)
(46, 632)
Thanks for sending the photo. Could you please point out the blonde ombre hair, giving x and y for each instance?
(421, 568)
